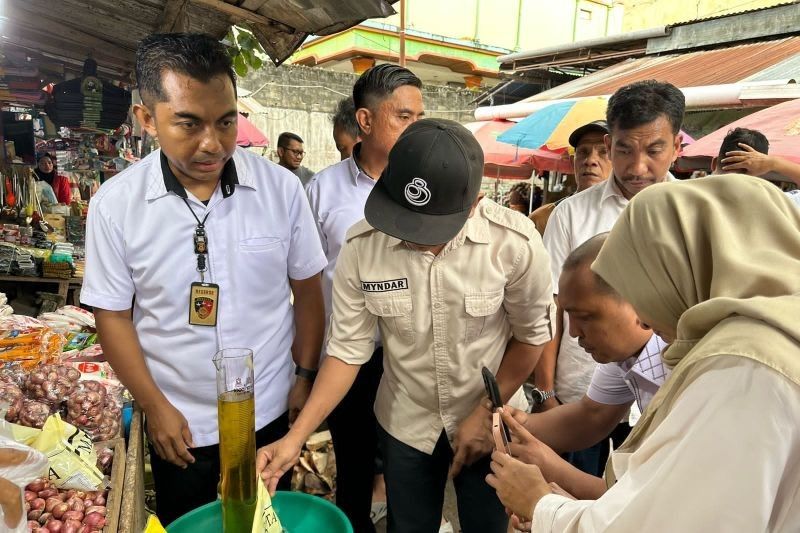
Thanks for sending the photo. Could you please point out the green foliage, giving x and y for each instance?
(244, 49)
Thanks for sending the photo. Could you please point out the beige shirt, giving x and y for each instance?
(441, 317)
(726, 458)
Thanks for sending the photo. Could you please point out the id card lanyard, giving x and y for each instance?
(203, 297)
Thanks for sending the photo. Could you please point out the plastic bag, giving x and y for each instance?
(71, 454)
(19, 465)
(28, 341)
(266, 519)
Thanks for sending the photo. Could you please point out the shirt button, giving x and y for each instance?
(437, 305)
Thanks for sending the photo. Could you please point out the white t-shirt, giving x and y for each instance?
(638, 378)
(794, 196)
(573, 222)
(337, 196)
(139, 244)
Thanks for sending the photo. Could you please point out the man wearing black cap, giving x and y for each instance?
(591, 161)
(454, 283)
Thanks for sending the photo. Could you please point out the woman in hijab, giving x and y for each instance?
(46, 172)
(713, 266)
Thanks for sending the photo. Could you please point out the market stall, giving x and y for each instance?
(59, 397)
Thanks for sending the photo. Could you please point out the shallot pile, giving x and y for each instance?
(51, 383)
(51, 510)
(93, 410)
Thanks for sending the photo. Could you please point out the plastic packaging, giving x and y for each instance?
(51, 383)
(10, 400)
(28, 341)
(19, 465)
(71, 454)
(86, 403)
(33, 414)
(265, 520)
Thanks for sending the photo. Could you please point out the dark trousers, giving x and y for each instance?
(355, 441)
(593, 460)
(415, 484)
(180, 490)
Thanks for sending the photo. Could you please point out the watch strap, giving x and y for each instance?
(305, 373)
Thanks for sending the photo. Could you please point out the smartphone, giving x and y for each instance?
(493, 391)
(500, 432)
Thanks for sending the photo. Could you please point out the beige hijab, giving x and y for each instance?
(719, 259)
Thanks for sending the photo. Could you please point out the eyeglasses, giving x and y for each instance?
(297, 153)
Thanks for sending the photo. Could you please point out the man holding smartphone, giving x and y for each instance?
(454, 283)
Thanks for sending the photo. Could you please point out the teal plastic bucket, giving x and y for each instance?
(298, 513)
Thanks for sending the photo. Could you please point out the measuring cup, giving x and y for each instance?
(237, 438)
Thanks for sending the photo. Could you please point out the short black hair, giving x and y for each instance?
(197, 55)
(643, 102)
(752, 138)
(286, 136)
(345, 117)
(583, 256)
(380, 81)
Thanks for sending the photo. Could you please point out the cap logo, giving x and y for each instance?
(417, 192)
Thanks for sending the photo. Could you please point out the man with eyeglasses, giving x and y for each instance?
(291, 154)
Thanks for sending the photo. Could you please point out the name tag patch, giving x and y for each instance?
(384, 286)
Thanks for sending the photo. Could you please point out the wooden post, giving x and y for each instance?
(402, 33)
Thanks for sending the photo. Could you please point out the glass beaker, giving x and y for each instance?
(237, 438)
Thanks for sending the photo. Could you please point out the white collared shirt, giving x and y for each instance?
(337, 196)
(140, 244)
(573, 222)
(638, 378)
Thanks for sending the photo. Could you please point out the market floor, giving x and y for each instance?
(450, 510)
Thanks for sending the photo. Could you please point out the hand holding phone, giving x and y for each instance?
(499, 431)
(493, 391)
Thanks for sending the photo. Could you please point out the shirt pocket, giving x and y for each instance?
(480, 308)
(395, 313)
(260, 244)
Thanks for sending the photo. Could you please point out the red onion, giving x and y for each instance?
(71, 526)
(94, 520)
(59, 510)
(36, 485)
(73, 515)
(55, 526)
(37, 504)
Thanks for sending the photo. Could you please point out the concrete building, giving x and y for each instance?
(457, 42)
(643, 14)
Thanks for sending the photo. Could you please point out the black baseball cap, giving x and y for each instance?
(597, 125)
(426, 193)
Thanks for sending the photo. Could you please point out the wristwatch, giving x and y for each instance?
(539, 396)
(305, 373)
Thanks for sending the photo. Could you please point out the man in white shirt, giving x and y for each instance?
(630, 370)
(644, 120)
(387, 99)
(196, 248)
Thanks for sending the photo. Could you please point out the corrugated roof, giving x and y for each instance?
(734, 13)
(752, 62)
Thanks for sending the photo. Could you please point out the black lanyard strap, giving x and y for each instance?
(200, 240)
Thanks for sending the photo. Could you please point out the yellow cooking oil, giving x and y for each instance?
(237, 452)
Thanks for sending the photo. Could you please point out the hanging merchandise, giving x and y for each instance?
(88, 102)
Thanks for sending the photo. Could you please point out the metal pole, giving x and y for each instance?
(402, 33)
